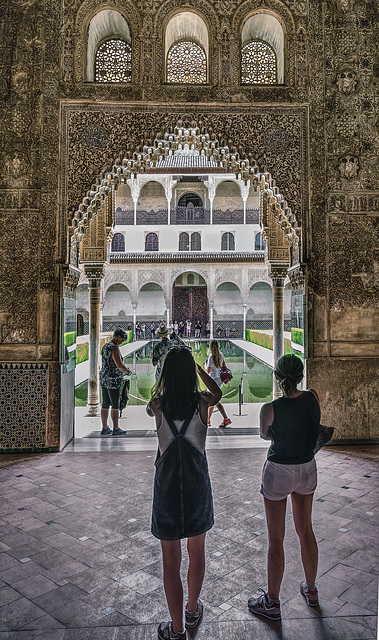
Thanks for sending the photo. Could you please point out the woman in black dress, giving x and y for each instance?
(182, 504)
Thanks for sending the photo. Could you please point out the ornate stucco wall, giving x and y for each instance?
(316, 135)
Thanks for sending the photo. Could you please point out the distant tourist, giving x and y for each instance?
(111, 375)
(227, 331)
(292, 424)
(138, 330)
(182, 504)
(188, 328)
(143, 331)
(152, 330)
(208, 329)
(213, 365)
(198, 329)
(181, 329)
(161, 349)
(219, 331)
(176, 327)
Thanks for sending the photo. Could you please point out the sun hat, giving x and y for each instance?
(162, 329)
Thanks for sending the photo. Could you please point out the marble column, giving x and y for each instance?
(278, 277)
(244, 321)
(134, 321)
(167, 315)
(211, 320)
(95, 274)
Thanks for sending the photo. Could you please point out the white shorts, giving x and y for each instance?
(279, 480)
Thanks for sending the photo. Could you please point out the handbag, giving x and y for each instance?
(225, 374)
(324, 436)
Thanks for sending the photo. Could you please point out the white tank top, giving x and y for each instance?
(196, 433)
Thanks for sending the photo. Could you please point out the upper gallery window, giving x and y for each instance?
(227, 242)
(118, 242)
(113, 62)
(195, 242)
(151, 242)
(186, 49)
(262, 50)
(258, 63)
(259, 244)
(186, 64)
(184, 242)
(109, 48)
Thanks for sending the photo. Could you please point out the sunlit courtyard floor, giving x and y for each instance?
(78, 561)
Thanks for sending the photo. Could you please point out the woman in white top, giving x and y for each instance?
(215, 361)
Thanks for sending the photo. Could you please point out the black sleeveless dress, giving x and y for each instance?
(182, 503)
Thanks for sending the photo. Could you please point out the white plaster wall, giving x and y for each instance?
(169, 236)
(151, 304)
(260, 300)
(228, 301)
(117, 299)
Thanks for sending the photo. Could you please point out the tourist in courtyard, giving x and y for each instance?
(213, 366)
(138, 331)
(111, 375)
(181, 329)
(152, 330)
(227, 332)
(208, 329)
(182, 504)
(198, 329)
(176, 327)
(219, 331)
(292, 424)
(188, 328)
(161, 349)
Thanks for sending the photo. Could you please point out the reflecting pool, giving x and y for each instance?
(256, 376)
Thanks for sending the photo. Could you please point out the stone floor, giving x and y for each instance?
(78, 562)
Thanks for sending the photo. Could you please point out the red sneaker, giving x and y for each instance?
(225, 422)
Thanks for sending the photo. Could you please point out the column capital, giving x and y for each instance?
(94, 273)
(277, 273)
(297, 277)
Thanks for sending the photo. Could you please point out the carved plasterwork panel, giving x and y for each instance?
(151, 276)
(94, 244)
(99, 134)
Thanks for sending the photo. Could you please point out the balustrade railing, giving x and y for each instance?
(187, 215)
(252, 216)
(152, 217)
(124, 216)
(227, 217)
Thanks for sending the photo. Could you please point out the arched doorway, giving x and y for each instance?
(190, 299)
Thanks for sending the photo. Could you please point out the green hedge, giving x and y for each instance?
(69, 338)
(297, 335)
(82, 348)
(266, 340)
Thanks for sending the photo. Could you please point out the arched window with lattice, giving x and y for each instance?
(118, 242)
(113, 61)
(195, 241)
(184, 242)
(259, 242)
(186, 63)
(258, 63)
(151, 242)
(227, 242)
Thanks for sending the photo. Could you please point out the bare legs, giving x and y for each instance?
(275, 517)
(104, 418)
(302, 516)
(172, 555)
(220, 408)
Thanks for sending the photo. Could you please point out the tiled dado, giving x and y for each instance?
(23, 400)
